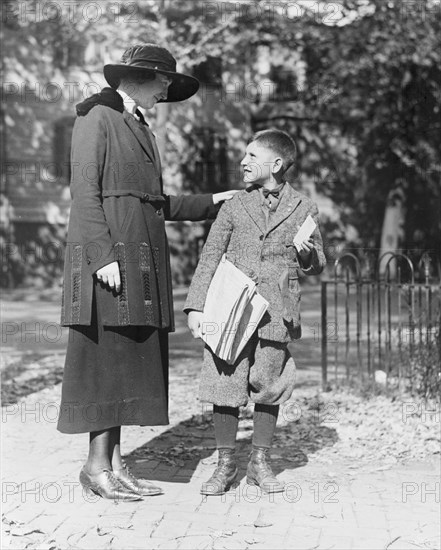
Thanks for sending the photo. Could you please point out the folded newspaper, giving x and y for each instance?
(233, 309)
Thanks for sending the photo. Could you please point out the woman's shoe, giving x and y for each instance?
(223, 476)
(106, 485)
(259, 472)
(138, 486)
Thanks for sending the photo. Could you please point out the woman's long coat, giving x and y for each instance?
(118, 213)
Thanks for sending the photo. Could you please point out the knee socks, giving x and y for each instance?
(226, 420)
(265, 419)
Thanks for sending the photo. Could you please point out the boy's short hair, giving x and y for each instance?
(280, 142)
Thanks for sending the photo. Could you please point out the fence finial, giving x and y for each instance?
(355, 260)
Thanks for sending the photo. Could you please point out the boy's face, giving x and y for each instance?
(260, 164)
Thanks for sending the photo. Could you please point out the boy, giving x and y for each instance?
(256, 231)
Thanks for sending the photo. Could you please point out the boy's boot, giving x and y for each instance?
(223, 476)
(259, 472)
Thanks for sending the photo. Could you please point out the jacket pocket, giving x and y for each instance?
(290, 290)
(293, 278)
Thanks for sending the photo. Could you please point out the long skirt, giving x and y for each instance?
(114, 376)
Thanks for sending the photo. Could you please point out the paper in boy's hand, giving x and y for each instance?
(305, 231)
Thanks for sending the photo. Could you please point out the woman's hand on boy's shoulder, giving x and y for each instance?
(194, 322)
(224, 196)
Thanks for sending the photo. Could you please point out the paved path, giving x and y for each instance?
(334, 502)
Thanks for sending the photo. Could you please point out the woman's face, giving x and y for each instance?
(146, 94)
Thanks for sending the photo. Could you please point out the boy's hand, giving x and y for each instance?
(224, 196)
(305, 248)
(194, 322)
(109, 275)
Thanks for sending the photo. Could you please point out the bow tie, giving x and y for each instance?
(274, 192)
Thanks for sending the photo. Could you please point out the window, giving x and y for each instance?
(211, 166)
(285, 81)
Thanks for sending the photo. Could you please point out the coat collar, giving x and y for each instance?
(289, 201)
(141, 135)
(251, 202)
(108, 97)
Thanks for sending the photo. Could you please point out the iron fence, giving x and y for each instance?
(379, 319)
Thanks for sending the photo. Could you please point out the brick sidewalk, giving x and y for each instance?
(331, 501)
(337, 505)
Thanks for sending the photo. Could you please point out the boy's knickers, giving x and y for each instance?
(263, 373)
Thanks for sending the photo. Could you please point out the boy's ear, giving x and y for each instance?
(277, 165)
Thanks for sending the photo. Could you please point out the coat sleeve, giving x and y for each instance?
(317, 260)
(88, 157)
(215, 247)
(190, 207)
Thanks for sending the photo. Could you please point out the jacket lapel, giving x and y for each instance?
(155, 148)
(141, 136)
(288, 203)
(251, 203)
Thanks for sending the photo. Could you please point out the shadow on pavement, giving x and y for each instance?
(175, 454)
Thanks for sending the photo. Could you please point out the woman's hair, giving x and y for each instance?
(280, 143)
(135, 77)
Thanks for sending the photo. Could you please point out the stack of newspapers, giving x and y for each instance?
(232, 312)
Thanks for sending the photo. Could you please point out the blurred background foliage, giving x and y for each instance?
(355, 82)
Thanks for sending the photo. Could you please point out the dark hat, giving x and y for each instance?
(151, 59)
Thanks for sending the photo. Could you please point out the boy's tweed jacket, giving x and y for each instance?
(264, 253)
(118, 213)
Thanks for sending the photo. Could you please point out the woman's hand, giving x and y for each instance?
(224, 196)
(109, 275)
(194, 322)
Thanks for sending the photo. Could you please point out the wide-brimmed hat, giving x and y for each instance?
(151, 59)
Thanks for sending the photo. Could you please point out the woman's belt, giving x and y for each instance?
(143, 197)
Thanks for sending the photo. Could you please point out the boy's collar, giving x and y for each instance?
(278, 188)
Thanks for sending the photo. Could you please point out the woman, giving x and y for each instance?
(117, 295)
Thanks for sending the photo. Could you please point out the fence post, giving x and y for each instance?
(324, 338)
